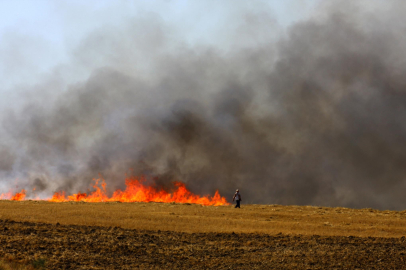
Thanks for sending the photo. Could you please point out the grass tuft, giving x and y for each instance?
(39, 263)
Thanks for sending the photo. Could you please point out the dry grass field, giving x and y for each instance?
(182, 236)
(191, 218)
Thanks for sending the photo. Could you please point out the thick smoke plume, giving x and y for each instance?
(317, 117)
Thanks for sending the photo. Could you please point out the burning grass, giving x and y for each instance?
(136, 191)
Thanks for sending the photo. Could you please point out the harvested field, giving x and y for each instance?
(173, 236)
(269, 219)
(90, 247)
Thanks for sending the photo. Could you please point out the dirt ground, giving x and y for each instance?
(91, 247)
(173, 236)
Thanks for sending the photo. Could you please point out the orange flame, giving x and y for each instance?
(19, 196)
(135, 191)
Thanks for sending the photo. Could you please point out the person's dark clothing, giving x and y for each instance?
(237, 198)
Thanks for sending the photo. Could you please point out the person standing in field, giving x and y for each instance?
(237, 198)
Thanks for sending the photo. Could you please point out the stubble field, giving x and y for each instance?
(180, 236)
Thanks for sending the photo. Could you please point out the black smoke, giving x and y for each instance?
(316, 118)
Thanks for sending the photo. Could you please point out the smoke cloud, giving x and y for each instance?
(314, 117)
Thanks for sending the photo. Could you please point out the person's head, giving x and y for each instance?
(237, 190)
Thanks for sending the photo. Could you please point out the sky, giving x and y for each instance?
(36, 36)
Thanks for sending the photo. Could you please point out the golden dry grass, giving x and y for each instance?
(269, 219)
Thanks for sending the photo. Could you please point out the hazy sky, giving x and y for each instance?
(38, 35)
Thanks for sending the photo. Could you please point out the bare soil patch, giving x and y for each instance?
(92, 247)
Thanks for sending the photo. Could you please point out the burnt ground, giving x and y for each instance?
(91, 247)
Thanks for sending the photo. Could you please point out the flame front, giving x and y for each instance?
(19, 196)
(135, 191)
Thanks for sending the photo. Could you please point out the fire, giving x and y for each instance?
(135, 191)
(19, 196)
(6, 196)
